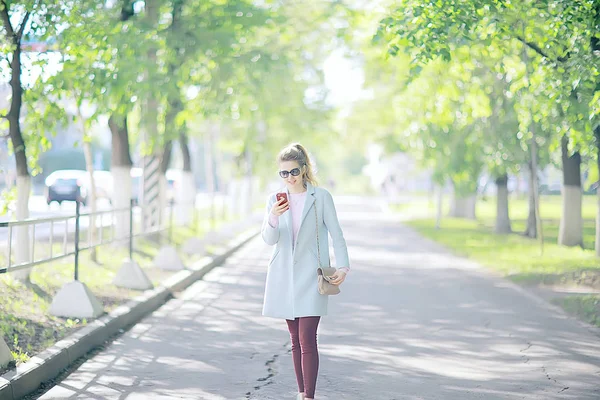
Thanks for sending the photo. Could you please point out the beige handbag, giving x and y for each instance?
(324, 274)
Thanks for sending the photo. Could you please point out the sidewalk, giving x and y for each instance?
(413, 322)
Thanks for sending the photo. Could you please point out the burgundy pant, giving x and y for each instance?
(303, 332)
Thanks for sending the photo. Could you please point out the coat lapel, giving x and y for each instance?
(310, 199)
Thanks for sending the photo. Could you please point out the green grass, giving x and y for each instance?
(550, 207)
(517, 257)
(513, 255)
(585, 307)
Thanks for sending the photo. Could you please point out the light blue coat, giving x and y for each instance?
(291, 285)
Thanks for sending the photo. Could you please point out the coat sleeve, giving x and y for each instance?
(337, 236)
(269, 234)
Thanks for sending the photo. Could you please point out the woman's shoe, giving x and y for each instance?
(300, 396)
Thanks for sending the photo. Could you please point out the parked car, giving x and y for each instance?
(66, 185)
(62, 185)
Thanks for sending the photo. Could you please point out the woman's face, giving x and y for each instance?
(288, 169)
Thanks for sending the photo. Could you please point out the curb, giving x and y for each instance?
(48, 364)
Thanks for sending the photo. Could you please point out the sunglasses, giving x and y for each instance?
(285, 174)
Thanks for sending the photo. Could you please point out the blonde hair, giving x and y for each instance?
(297, 152)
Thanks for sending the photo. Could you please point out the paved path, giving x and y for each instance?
(413, 322)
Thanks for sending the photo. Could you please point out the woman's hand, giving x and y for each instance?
(280, 207)
(338, 277)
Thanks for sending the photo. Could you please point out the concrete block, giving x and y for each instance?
(167, 258)
(132, 276)
(5, 354)
(75, 300)
(194, 246)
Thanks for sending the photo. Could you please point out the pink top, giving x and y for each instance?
(297, 201)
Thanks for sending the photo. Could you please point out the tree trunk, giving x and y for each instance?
(571, 222)
(186, 192)
(597, 242)
(595, 47)
(185, 151)
(209, 169)
(248, 198)
(150, 113)
(440, 199)
(121, 171)
(120, 158)
(536, 198)
(22, 242)
(165, 158)
(502, 214)
(163, 185)
(21, 236)
(530, 229)
(461, 205)
(93, 197)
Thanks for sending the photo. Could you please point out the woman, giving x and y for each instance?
(291, 287)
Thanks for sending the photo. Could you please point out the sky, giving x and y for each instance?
(344, 79)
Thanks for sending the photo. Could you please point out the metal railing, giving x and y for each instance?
(101, 230)
(67, 231)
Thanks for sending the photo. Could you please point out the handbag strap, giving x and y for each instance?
(317, 228)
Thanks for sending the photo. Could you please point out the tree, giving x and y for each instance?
(34, 20)
(559, 33)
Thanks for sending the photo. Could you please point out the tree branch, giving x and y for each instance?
(22, 27)
(541, 52)
(6, 20)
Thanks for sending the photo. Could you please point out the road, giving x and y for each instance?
(413, 322)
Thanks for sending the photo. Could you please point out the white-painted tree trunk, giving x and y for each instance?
(531, 228)
(570, 232)
(463, 207)
(234, 197)
(163, 200)
(121, 199)
(440, 199)
(21, 239)
(597, 243)
(93, 196)
(255, 191)
(186, 199)
(502, 214)
(245, 196)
